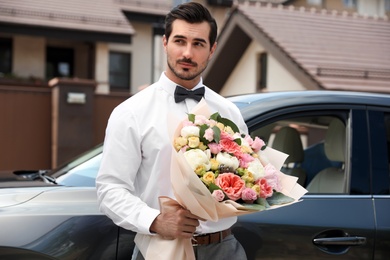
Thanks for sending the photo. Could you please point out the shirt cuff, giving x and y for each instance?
(147, 216)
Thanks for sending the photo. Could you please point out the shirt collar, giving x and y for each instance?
(170, 86)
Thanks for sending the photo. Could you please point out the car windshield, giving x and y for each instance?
(80, 171)
(83, 174)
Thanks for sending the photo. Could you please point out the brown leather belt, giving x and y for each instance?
(206, 239)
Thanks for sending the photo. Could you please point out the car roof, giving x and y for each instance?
(251, 105)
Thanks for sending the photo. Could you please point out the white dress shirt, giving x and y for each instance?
(135, 168)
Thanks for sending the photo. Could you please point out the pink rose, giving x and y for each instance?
(265, 189)
(271, 175)
(257, 144)
(209, 134)
(230, 146)
(248, 195)
(245, 159)
(218, 195)
(231, 184)
(214, 148)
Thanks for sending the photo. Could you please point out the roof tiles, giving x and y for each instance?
(96, 15)
(339, 51)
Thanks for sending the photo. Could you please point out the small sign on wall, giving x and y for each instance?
(76, 98)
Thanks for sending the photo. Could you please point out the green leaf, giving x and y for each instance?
(228, 122)
(216, 116)
(254, 206)
(238, 141)
(217, 134)
(213, 187)
(191, 117)
(263, 202)
(279, 198)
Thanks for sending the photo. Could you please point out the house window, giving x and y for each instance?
(5, 55)
(314, 2)
(262, 72)
(387, 5)
(59, 62)
(120, 71)
(350, 3)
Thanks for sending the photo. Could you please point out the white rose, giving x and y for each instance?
(190, 130)
(257, 169)
(196, 158)
(227, 160)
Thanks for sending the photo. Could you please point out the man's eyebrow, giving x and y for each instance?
(196, 39)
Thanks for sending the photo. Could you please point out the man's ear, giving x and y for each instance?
(165, 42)
(213, 50)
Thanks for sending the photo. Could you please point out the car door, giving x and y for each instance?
(324, 225)
(379, 123)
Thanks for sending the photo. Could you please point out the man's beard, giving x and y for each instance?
(186, 76)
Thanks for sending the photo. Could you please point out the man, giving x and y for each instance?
(135, 168)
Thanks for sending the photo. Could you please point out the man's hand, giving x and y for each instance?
(174, 221)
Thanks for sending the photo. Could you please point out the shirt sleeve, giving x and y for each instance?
(116, 178)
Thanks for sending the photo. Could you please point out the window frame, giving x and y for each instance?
(126, 73)
(6, 46)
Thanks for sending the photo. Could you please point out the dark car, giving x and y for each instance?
(338, 144)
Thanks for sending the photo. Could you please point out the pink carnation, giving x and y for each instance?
(187, 123)
(230, 146)
(248, 195)
(218, 195)
(265, 189)
(272, 177)
(231, 184)
(214, 148)
(245, 159)
(209, 134)
(201, 120)
(227, 136)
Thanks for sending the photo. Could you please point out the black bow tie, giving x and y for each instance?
(182, 93)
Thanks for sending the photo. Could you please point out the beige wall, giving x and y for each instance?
(29, 56)
(243, 78)
(101, 68)
(141, 55)
(279, 79)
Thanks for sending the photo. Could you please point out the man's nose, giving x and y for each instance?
(188, 51)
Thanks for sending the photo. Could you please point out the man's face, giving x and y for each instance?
(188, 52)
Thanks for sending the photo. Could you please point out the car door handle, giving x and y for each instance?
(340, 241)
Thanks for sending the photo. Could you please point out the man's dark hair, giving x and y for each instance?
(191, 12)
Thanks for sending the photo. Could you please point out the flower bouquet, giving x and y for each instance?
(218, 172)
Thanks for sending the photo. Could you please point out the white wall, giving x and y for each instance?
(29, 56)
(244, 76)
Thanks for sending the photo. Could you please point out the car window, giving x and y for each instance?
(83, 175)
(316, 145)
